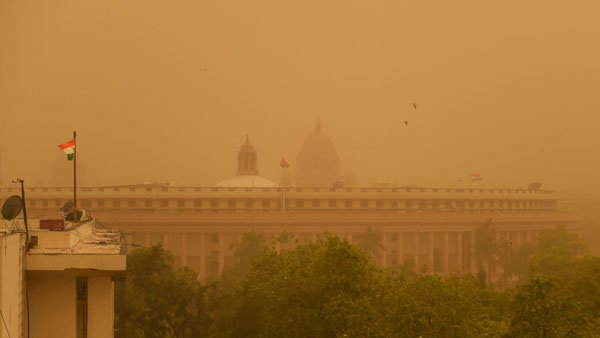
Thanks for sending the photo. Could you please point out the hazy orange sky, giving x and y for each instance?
(168, 89)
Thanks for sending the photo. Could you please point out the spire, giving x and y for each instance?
(247, 139)
(318, 125)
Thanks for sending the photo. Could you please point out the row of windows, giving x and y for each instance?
(215, 189)
(299, 203)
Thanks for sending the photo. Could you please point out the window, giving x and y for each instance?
(131, 189)
(300, 203)
(248, 203)
(379, 204)
(149, 189)
(364, 204)
(266, 203)
(332, 203)
(180, 203)
(82, 307)
(197, 203)
(131, 203)
(148, 203)
(116, 203)
(214, 203)
(394, 204)
(231, 203)
(348, 204)
(316, 203)
(115, 189)
(164, 203)
(394, 238)
(100, 203)
(214, 238)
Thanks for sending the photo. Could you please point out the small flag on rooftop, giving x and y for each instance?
(284, 163)
(476, 177)
(69, 149)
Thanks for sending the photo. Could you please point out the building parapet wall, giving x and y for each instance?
(221, 199)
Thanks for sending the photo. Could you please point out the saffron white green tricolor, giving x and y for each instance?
(69, 149)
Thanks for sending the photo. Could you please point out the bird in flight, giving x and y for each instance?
(415, 105)
(406, 123)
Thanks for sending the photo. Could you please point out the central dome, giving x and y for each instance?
(318, 162)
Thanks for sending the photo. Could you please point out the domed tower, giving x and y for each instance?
(247, 160)
(318, 163)
(247, 172)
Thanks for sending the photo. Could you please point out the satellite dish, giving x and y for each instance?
(67, 207)
(12, 207)
(534, 186)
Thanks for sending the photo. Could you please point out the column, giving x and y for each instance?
(472, 251)
(184, 253)
(384, 251)
(446, 253)
(202, 271)
(221, 253)
(400, 249)
(417, 267)
(100, 307)
(431, 268)
(459, 251)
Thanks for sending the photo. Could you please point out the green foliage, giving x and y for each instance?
(432, 306)
(544, 310)
(371, 243)
(329, 288)
(156, 301)
(325, 288)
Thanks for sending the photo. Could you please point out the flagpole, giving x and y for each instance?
(282, 189)
(75, 171)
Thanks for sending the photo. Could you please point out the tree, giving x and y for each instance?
(324, 288)
(371, 243)
(154, 300)
(432, 306)
(543, 310)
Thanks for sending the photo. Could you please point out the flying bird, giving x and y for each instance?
(406, 123)
(415, 105)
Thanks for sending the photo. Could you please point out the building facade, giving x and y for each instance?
(62, 285)
(433, 227)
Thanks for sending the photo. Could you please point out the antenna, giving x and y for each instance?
(12, 207)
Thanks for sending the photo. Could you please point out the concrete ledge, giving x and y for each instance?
(60, 262)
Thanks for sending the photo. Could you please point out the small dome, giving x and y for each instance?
(247, 182)
(318, 163)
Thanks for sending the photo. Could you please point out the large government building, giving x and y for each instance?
(431, 226)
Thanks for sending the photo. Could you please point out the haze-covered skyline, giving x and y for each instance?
(168, 91)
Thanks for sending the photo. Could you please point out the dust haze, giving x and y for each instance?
(169, 90)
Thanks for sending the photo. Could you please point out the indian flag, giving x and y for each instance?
(69, 149)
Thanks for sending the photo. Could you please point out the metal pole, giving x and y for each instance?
(283, 190)
(25, 215)
(75, 171)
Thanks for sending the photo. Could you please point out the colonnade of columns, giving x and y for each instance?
(429, 251)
